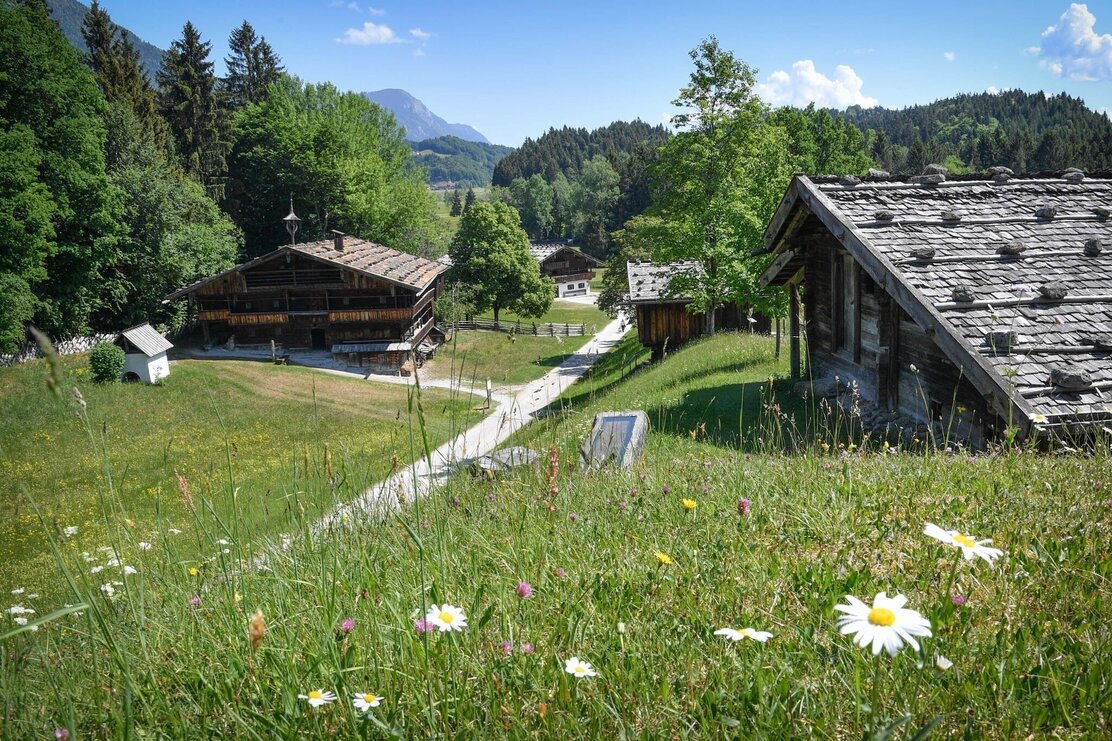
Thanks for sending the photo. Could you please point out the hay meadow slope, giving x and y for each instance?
(617, 570)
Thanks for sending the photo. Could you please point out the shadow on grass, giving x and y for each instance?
(745, 416)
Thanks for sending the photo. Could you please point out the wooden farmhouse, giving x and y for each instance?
(967, 304)
(663, 320)
(571, 269)
(362, 301)
(145, 356)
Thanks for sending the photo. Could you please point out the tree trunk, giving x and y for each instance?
(497, 308)
(710, 318)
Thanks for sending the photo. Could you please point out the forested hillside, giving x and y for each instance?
(1024, 131)
(565, 150)
(466, 163)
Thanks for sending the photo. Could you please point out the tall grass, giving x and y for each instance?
(169, 653)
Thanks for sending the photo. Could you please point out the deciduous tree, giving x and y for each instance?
(491, 255)
(719, 180)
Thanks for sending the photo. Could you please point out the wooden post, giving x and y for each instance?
(777, 338)
(793, 319)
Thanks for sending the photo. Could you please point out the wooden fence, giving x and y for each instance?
(532, 328)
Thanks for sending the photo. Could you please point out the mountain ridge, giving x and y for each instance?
(70, 14)
(418, 121)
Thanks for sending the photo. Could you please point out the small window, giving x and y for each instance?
(247, 304)
(277, 304)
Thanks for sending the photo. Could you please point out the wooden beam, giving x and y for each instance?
(1103, 298)
(783, 212)
(981, 373)
(777, 265)
(1032, 219)
(793, 318)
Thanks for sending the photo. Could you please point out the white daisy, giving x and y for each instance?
(33, 595)
(108, 589)
(18, 590)
(365, 701)
(129, 570)
(942, 663)
(736, 635)
(887, 624)
(317, 698)
(970, 546)
(579, 668)
(70, 531)
(1039, 419)
(19, 610)
(113, 562)
(174, 531)
(446, 618)
(96, 569)
(144, 546)
(23, 621)
(222, 541)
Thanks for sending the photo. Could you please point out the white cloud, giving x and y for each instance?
(949, 56)
(375, 11)
(1072, 48)
(344, 4)
(371, 33)
(419, 34)
(804, 84)
(418, 52)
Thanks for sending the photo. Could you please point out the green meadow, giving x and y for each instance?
(611, 568)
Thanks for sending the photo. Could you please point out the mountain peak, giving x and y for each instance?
(420, 123)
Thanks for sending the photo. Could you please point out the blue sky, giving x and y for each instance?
(512, 69)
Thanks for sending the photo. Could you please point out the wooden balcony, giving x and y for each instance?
(370, 315)
(267, 318)
(213, 315)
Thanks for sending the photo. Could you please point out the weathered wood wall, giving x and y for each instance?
(883, 346)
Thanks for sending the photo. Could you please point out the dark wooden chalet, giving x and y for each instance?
(570, 268)
(361, 300)
(967, 304)
(663, 319)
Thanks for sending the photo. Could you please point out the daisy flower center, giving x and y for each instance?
(447, 617)
(747, 632)
(369, 698)
(580, 669)
(965, 540)
(316, 695)
(882, 616)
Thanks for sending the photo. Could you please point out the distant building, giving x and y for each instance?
(968, 304)
(144, 354)
(663, 319)
(367, 303)
(571, 269)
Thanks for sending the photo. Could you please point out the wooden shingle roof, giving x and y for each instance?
(1013, 275)
(650, 282)
(359, 255)
(544, 250)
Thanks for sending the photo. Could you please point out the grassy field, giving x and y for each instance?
(562, 312)
(614, 568)
(475, 356)
(268, 425)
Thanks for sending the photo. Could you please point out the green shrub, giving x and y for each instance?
(106, 362)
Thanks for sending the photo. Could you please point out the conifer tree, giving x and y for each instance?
(469, 200)
(457, 207)
(189, 101)
(252, 66)
(115, 63)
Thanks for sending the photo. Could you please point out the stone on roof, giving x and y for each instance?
(649, 282)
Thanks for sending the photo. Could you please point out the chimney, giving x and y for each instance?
(338, 240)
